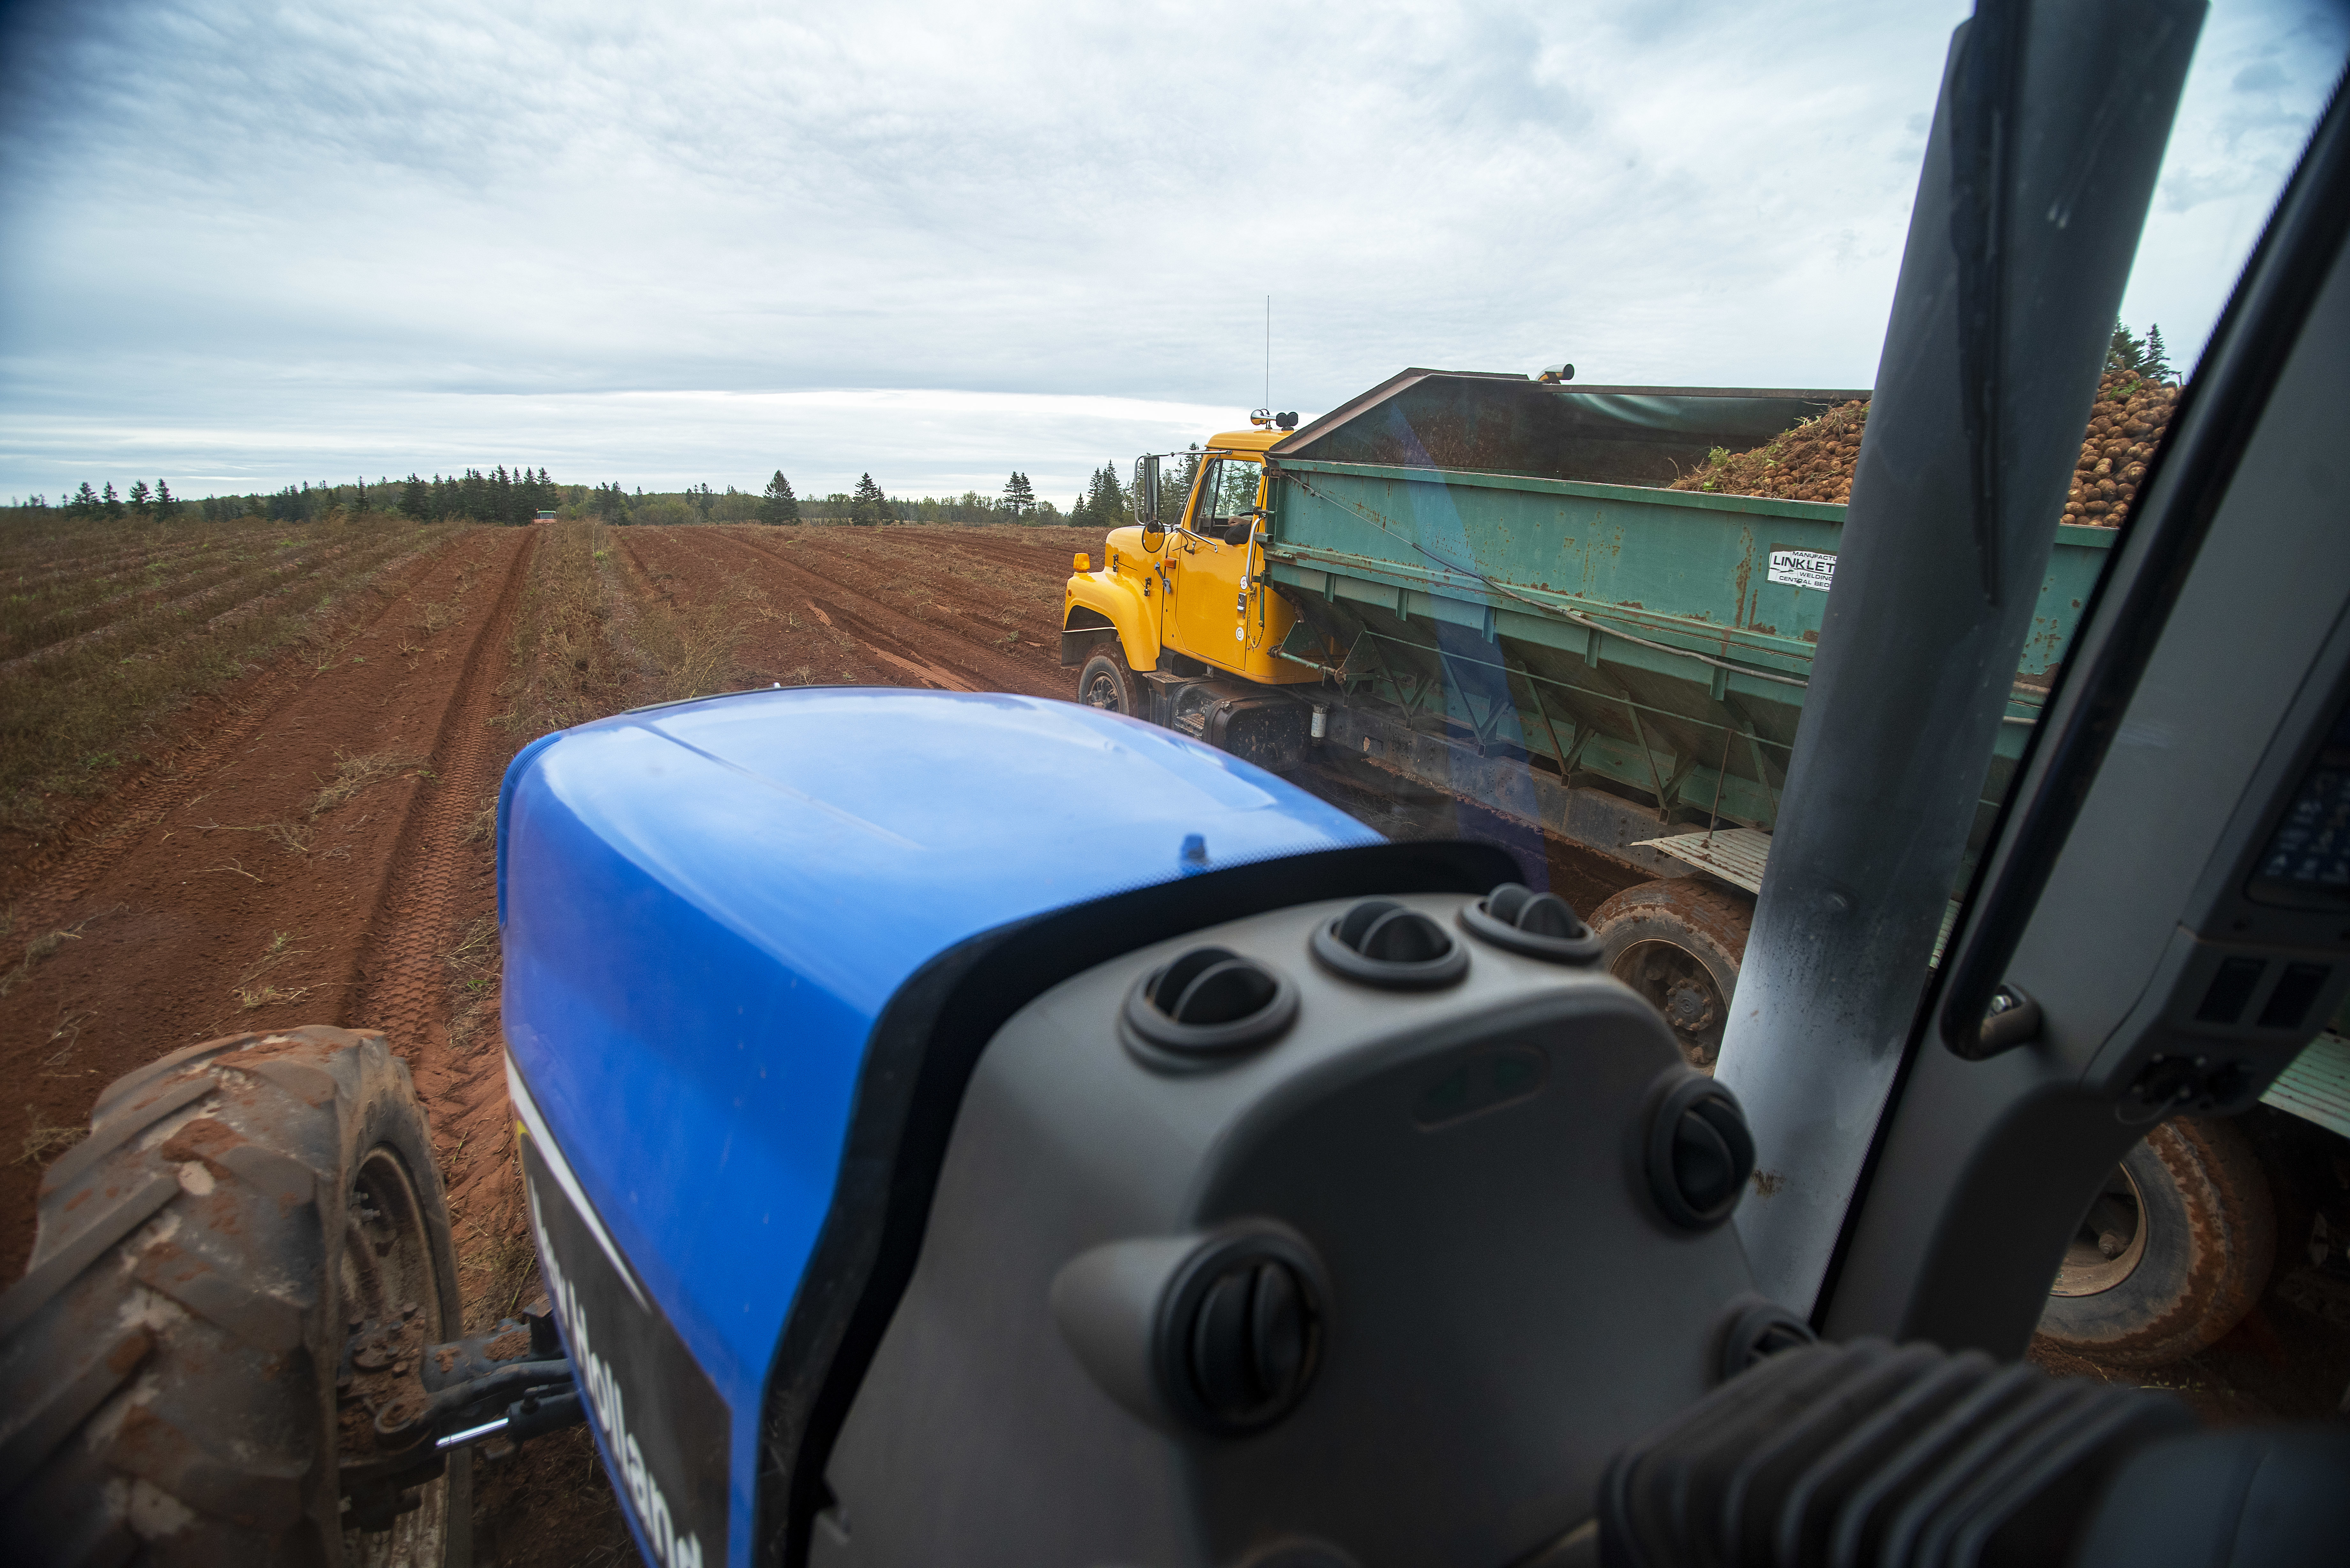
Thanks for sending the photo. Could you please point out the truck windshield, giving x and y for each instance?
(1228, 488)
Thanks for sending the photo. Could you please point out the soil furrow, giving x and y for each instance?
(231, 890)
(81, 569)
(42, 884)
(403, 980)
(870, 622)
(878, 624)
(227, 578)
(973, 593)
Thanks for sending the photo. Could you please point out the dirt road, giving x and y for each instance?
(313, 844)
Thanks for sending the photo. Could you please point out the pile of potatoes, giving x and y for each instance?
(1814, 462)
(2125, 426)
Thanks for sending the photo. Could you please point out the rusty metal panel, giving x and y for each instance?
(2316, 1087)
(1734, 854)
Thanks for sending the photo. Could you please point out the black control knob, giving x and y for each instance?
(1538, 924)
(1239, 1329)
(1208, 1005)
(1217, 1333)
(1700, 1152)
(1248, 1340)
(1381, 942)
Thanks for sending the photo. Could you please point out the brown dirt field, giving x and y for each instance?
(303, 847)
(936, 608)
(311, 843)
(204, 897)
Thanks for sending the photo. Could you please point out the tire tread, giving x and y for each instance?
(215, 1406)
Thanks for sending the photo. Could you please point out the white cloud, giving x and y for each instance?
(321, 236)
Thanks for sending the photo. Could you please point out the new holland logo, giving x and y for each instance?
(665, 1430)
(671, 1547)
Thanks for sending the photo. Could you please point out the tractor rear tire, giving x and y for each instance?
(1107, 684)
(2188, 1230)
(1678, 942)
(168, 1363)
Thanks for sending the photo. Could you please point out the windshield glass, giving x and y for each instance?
(1228, 488)
(372, 407)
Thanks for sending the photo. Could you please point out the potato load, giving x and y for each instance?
(1815, 461)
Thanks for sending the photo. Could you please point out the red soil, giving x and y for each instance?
(958, 609)
(190, 921)
(186, 917)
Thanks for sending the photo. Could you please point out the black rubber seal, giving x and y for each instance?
(1161, 1043)
(1426, 974)
(917, 1064)
(1720, 1110)
(1585, 948)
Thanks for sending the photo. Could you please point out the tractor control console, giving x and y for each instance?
(1359, 1222)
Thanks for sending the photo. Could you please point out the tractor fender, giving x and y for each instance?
(1098, 601)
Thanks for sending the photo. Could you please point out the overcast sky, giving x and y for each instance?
(242, 244)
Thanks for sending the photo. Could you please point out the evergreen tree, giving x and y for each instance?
(413, 498)
(1172, 497)
(110, 503)
(2126, 354)
(2157, 364)
(1019, 494)
(167, 505)
(1105, 501)
(84, 503)
(870, 505)
(359, 498)
(138, 496)
(778, 504)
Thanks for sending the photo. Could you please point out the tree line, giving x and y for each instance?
(867, 504)
(140, 501)
(511, 496)
(500, 496)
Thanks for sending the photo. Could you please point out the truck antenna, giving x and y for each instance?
(1268, 350)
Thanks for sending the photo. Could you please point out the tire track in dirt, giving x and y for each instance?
(990, 586)
(403, 981)
(239, 891)
(908, 641)
(668, 569)
(212, 730)
(960, 606)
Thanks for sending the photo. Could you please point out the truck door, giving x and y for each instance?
(1207, 559)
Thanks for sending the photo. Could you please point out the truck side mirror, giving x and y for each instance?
(1146, 494)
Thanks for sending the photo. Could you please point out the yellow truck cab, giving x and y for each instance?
(1178, 624)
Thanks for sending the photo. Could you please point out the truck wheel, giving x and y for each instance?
(2173, 1253)
(1107, 684)
(168, 1363)
(1679, 943)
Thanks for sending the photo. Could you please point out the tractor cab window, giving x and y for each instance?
(1227, 494)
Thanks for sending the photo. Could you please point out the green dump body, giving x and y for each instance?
(1651, 641)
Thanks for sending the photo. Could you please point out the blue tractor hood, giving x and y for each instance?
(706, 908)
